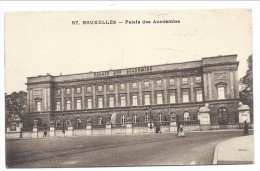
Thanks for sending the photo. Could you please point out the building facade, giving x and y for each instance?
(138, 93)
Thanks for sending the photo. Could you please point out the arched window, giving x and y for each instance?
(186, 116)
(100, 120)
(222, 116)
(78, 122)
(134, 118)
(123, 117)
(160, 117)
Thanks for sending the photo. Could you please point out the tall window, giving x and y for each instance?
(89, 103)
(78, 103)
(146, 84)
(100, 102)
(199, 95)
(122, 86)
(159, 98)
(146, 119)
(58, 91)
(134, 85)
(78, 90)
(58, 105)
(123, 118)
(89, 89)
(160, 117)
(221, 92)
(78, 121)
(100, 88)
(134, 100)
(111, 87)
(67, 104)
(185, 80)
(159, 83)
(38, 104)
(198, 79)
(111, 101)
(134, 118)
(171, 81)
(147, 99)
(100, 120)
(122, 101)
(172, 97)
(67, 90)
(222, 116)
(185, 96)
(186, 116)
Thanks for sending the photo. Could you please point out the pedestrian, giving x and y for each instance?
(178, 129)
(157, 129)
(45, 133)
(245, 126)
(181, 132)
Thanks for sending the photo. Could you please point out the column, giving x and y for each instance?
(62, 99)
(105, 96)
(152, 91)
(165, 91)
(128, 94)
(83, 97)
(116, 94)
(48, 99)
(236, 85)
(209, 86)
(72, 98)
(231, 84)
(191, 89)
(140, 93)
(205, 84)
(31, 99)
(28, 101)
(178, 90)
(45, 99)
(94, 96)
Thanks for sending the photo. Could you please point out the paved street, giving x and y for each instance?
(116, 150)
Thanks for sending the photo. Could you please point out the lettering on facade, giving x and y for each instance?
(220, 75)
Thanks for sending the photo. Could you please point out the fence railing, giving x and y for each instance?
(98, 126)
(79, 126)
(118, 125)
(164, 123)
(43, 128)
(27, 129)
(140, 124)
(189, 122)
(61, 128)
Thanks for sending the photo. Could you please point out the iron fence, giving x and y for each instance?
(140, 124)
(189, 122)
(98, 126)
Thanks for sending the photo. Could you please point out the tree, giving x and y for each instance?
(15, 104)
(246, 93)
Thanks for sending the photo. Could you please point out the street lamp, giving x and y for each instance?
(63, 125)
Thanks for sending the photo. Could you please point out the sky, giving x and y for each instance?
(37, 43)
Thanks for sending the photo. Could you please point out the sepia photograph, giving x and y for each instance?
(128, 88)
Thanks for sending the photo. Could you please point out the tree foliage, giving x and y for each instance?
(15, 104)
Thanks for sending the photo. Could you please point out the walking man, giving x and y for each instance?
(245, 128)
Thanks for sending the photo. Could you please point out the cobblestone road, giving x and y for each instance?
(117, 150)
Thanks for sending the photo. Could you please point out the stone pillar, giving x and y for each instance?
(116, 95)
(105, 105)
(69, 132)
(128, 94)
(243, 114)
(178, 90)
(205, 94)
(129, 126)
(108, 129)
(72, 98)
(204, 117)
(62, 100)
(173, 125)
(88, 129)
(152, 92)
(35, 129)
(52, 130)
(140, 93)
(165, 95)
(191, 89)
(210, 86)
(94, 96)
(83, 97)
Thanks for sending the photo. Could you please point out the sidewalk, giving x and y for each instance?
(239, 150)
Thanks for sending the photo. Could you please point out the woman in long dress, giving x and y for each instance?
(181, 132)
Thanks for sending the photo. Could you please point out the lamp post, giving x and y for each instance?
(63, 125)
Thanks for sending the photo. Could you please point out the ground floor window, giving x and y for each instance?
(222, 116)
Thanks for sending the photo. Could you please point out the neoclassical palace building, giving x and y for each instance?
(138, 93)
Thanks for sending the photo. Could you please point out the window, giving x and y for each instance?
(78, 103)
(78, 122)
(111, 87)
(58, 91)
(122, 100)
(134, 85)
(111, 101)
(100, 120)
(147, 99)
(100, 102)
(172, 97)
(186, 116)
(221, 92)
(199, 95)
(185, 96)
(89, 89)
(198, 79)
(67, 90)
(134, 118)
(134, 100)
(78, 90)
(89, 103)
(122, 86)
(146, 118)
(57, 122)
(146, 84)
(222, 116)
(185, 80)
(159, 83)
(159, 98)
(67, 104)
(58, 105)
(123, 118)
(160, 117)
(38, 104)
(100, 88)
(171, 81)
